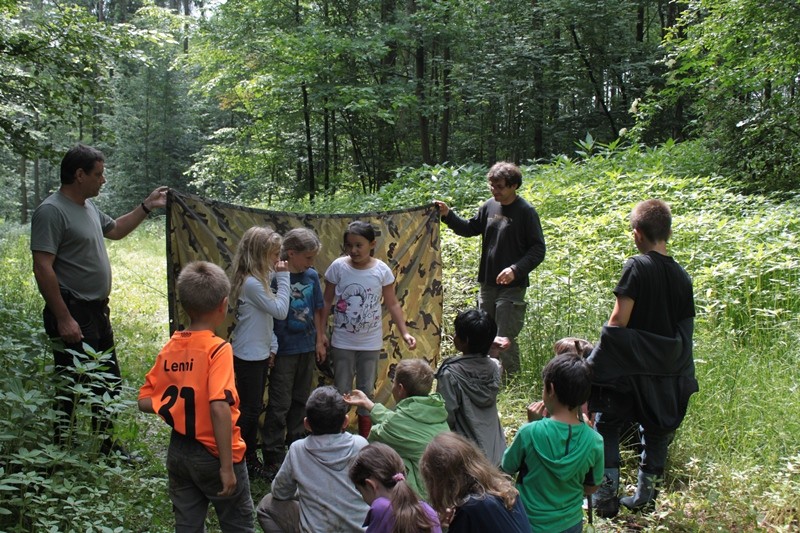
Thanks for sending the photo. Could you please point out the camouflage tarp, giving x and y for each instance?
(407, 241)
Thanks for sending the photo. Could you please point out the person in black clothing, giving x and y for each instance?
(643, 365)
(512, 246)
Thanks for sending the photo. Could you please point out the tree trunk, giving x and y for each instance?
(598, 89)
(444, 127)
(424, 134)
(385, 131)
(309, 147)
(23, 190)
(335, 157)
(326, 148)
(187, 10)
(37, 188)
(640, 23)
(306, 121)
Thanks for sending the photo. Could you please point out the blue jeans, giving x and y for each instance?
(506, 305)
(194, 482)
(363, 364)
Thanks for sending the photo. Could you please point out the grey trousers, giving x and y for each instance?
(362, 364)
(278, 516)
(289, 388)
(194, 483)
(506, 305)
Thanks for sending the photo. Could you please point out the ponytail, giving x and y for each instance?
(381, 463)
(409, 515)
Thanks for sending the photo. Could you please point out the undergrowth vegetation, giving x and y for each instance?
(735, 463)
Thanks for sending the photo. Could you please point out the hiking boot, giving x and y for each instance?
(271, 470)
(604, 501)
(645, 495)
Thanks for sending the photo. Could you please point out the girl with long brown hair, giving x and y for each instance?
(468, 491)
(379, 475)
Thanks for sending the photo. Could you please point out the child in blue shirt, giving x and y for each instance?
(292, 373)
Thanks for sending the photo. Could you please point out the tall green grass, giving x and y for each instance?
(735, 463)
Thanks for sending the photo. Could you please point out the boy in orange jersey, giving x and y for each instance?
(191, 386)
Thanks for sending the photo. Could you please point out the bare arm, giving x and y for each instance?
(46, 279)
(536, 411)
(146, 405)
(223, 434)
(320, 319)
(396, 312)
(359, 399)
(130, 221)
(324, 313)
(622, 312)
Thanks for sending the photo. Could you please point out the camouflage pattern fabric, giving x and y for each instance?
(407, 241)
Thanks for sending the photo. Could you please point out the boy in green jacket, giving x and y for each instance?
(560, 458)
(418, 417)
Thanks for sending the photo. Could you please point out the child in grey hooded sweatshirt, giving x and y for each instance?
(470, 382)
(312, 489)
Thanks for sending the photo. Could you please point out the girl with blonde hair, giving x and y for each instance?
(254, 266)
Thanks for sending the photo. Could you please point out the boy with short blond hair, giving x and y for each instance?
(416, 419)
(191, 386)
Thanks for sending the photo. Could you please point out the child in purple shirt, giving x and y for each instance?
(379, 475)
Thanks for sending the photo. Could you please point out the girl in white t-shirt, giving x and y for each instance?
(354, 286)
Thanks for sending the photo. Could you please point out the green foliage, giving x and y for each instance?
(733, 74)
(155, 122)
(46, 487)
(351, 91)
(733, 465)
(55, 63)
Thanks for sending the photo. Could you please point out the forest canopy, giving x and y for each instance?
(256, 101)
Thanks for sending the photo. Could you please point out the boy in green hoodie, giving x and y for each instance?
(560, 458)
(418, 417)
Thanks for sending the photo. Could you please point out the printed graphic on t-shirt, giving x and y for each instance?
(301, 317)
(357, 310)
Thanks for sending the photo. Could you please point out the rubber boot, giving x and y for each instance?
(645, 492)
(605, 501)
(364, 425)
